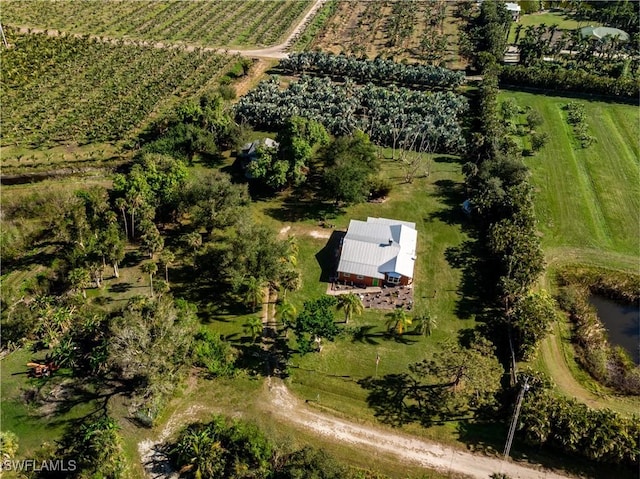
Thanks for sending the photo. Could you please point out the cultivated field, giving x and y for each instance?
(62, 90)
(413, 30)
(587, 198)
(215, 23)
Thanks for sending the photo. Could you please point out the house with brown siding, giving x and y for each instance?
(378, 251)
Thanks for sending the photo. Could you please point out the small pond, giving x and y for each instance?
(622, 322)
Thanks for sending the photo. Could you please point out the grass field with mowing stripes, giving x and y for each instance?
(587, 198)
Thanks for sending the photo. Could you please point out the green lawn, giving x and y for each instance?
(587, 198)
(33, 425)
(587, 203)
(563, 20)
(433, 204)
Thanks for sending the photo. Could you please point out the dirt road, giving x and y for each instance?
(277, 51)
(406, 449)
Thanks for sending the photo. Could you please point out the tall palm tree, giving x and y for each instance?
(121, 204)
(167, 258)
(397, 321)
(151, 268)
(351, 304)
(287, 314)
(253, 327)
(253, 292)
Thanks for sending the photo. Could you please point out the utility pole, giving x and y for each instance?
(514, 419)
(4, 39)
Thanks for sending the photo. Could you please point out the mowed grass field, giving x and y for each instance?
(587, 199)
(246, 23)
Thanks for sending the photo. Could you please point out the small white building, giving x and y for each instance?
(514, 9)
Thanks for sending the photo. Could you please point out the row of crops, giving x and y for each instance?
(390, 115)
(378, 70)
(216, 23)
(65, 89)
(412, 29)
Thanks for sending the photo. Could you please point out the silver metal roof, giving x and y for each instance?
(378, 246)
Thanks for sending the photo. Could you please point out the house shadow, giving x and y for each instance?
(328, 256)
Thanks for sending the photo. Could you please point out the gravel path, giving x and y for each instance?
(405, 448)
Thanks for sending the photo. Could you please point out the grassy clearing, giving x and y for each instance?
(433, 204)
(249, 23)
(587, 198)
(564, 21)
(34, 425)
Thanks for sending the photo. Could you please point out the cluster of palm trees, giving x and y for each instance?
(378, 70)
(385, 113)
(99, 91)
(541, 41)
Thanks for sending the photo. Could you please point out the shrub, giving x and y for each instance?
(379, 187)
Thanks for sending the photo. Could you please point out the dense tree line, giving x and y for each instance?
(391, 116)
(501, 200)
(484, 36)
(554, 77)
(378, 71)
(564, 424)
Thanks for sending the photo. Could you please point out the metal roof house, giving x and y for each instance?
(378, 251)
(249, 152)
(514, 9)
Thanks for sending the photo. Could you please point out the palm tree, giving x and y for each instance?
(426, 324)
(290, 281)
(287, 314)
(253, 292)
(167, 258)
(351, 304)
(398, 321)
(80, 279)
(121, 204)
(200, 451)
(151, 268)
(193, 239)
(253, 327)
(519, 28)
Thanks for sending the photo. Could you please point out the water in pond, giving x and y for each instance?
(622, 322)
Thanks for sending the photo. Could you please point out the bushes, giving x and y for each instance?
(576, 116)
(607, 364)
(379, 70)
(223, 449)
(214, 354)
(570, 426)
(559, 79)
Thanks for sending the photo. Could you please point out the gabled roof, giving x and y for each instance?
(378, 246)
(249, 149)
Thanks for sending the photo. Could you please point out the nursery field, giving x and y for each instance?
(587, 199)
(425, 31)
(66, 90)
(215, 23)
